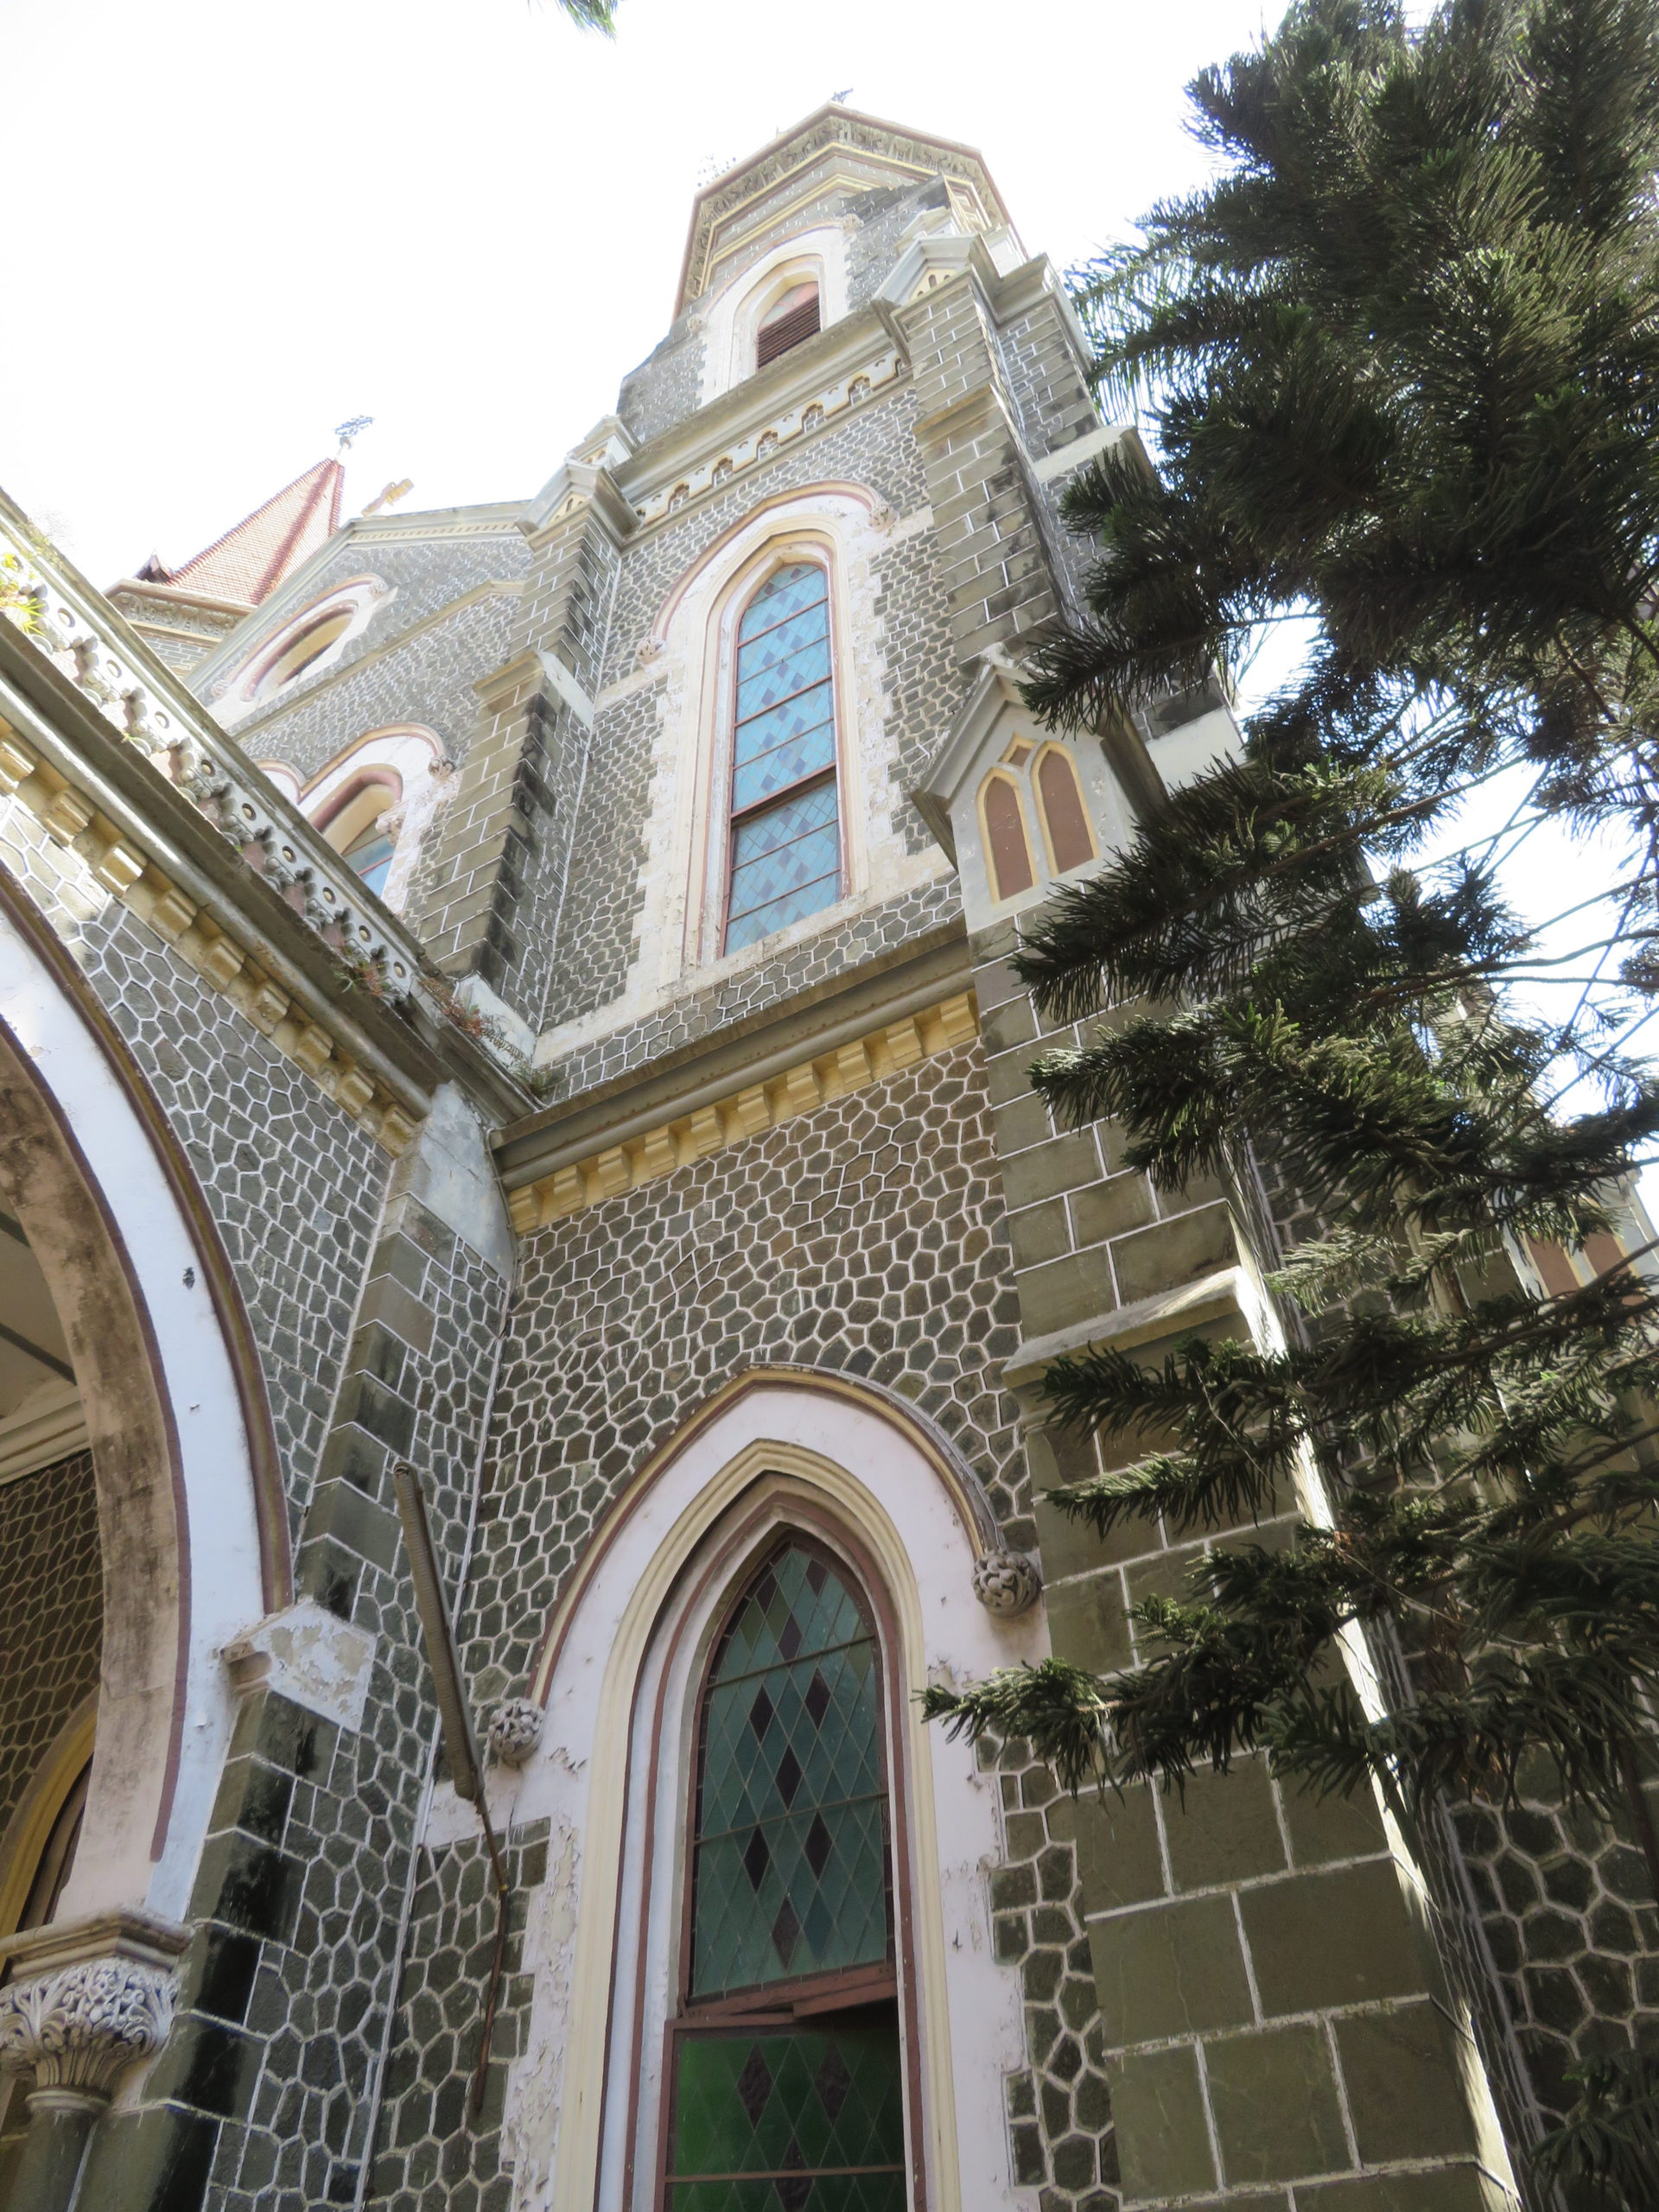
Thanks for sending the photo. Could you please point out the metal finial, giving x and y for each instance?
(348, 431)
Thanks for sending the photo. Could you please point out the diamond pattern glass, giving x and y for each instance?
(790, 1862)
(786, 862)
(785, 856)
(810, 2121)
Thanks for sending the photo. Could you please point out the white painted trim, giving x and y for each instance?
(197, 1382)
(49, 1424)
(773, 1445)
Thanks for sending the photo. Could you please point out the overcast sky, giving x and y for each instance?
(230, 227)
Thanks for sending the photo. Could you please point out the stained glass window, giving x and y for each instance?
(785, 839)
(789, 1892)
(789, 1872)
(809, 2122)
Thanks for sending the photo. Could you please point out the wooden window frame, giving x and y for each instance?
(799, 556)
(998, 897)
(1033, 770)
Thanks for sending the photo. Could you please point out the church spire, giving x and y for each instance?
(182, 612)
(249, 562)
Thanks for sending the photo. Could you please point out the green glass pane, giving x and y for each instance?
(822, 2104)
(790, 1863)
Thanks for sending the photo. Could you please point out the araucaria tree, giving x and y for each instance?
(1399, 369)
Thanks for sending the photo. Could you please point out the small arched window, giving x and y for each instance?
(794, 317)
(1007, 844)
(784, 847)
(353, 827)
(301, 654)
(786, 2084)
(1066, 819)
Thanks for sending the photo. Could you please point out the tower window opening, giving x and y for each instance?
(785, 856)
(793, 318)
(371, 855)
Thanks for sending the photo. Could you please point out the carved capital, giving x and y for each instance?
(81, 2028)
(1006, 1582)
(515, 1729)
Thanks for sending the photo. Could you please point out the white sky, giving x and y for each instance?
(233, 226)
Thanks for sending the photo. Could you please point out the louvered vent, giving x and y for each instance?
(786, 330)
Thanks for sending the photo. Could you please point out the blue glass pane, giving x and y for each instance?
(810, 709)
(809, 663)
(371, 857)
(789, 1865)
(794, 757)
(789, 637)
(786, 862)
(782, 595)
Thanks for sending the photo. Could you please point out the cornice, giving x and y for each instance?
(916, 153)
(287, 935)
(745, 1079)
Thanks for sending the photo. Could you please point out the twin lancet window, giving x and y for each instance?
(1021, 785)
(784, 844)
(784, 2056)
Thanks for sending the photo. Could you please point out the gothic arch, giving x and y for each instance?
(775, 1451)
(184, 1460)
(845, 527)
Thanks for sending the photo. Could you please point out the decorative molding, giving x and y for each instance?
(745, 1111)
(1006, 1583)
(49, 1425)
(90, 1998)
(514, 1730)
(312, 1658)
(831, 400)
(82, 2029)
(910, 154)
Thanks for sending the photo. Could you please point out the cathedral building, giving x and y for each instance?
(507, 1009)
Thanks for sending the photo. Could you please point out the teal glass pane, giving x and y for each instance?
(806, 2122)
(786, 862)
(790, 1863)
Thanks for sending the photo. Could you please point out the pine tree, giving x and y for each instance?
(1399, 369)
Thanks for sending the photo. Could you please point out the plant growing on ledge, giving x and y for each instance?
(1400, 367)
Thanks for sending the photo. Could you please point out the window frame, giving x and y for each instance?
(808, 1997)
(796, 555)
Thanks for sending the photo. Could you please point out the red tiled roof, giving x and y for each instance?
(249, 562)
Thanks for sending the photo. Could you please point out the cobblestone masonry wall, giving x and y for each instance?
(868, 1239)
(292, 1182)
(425, 573)
(605, 893)
(265, 2095)
(51, 1613)
(427, 679)
(799, 968)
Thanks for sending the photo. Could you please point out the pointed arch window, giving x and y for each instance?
(785, 2068)
(785, 842)
(1033, 780)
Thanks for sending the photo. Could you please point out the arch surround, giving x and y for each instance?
(771, 1452)
(191, 1519)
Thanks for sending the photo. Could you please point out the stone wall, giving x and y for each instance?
(866, 1239)
(293, 1184)
(51, 1614)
